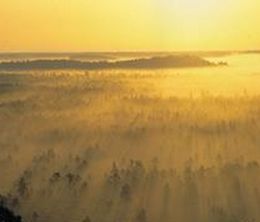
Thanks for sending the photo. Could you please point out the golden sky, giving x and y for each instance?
(94, 25)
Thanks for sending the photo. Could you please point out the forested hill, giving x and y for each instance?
(172, 61)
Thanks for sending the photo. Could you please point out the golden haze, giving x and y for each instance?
(81, 25)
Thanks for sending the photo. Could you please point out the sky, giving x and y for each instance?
(129, 25)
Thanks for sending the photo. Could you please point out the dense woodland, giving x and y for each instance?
(116, 146)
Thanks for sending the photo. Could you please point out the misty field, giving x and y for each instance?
(131, 146)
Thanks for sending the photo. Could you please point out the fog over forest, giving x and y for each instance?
(132, 145)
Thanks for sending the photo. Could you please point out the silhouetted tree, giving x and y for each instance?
(87, 219)
(7, 215)
(55, 177)
(125, 192)
(35, 216)
(141, 216)
(22, 187)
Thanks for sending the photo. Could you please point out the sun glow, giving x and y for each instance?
(198, 13)
(80, 25)
(198, 7)
(200, 24)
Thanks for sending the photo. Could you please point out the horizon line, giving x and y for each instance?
(129, 51)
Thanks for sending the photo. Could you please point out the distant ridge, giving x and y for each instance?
(159, 62)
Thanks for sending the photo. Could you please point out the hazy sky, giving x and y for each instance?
(83, 25)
